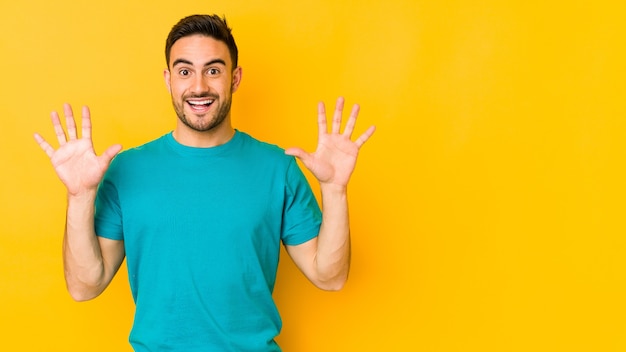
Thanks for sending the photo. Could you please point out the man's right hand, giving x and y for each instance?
(75, 161)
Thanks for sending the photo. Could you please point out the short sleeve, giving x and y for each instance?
(108, 216)
(301, 213)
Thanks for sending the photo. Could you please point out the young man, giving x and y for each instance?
(199, 213)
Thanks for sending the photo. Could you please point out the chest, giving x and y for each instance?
(208, 206)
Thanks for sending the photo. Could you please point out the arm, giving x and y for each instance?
(325, 260)
(90, 262)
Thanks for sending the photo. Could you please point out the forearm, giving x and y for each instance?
(82, 256)
(333, 248)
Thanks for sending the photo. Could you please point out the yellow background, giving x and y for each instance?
(487, 210)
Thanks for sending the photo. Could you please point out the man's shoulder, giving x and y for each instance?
(261, 146)
(148, 147)
(142, 152)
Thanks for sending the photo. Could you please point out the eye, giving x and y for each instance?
(213, 71)
(183, 72)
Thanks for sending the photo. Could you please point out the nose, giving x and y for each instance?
(199, 85)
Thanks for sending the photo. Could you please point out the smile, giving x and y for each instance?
(200, 105)
(200, 102)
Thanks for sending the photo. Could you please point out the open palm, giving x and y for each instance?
(335, 158)
(75, 161)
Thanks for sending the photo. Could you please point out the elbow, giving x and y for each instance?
(81, 295)
(335, 287)
(334, 284)
(80, 290)
(80, 298)
(332, 278)
(84, 285)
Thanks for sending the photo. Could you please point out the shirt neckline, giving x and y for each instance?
(199, 151)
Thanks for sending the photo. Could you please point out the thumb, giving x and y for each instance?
(111, 152)
(297, 152)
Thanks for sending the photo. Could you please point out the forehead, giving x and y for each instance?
(200, 49)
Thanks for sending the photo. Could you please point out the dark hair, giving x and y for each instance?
(209, 25)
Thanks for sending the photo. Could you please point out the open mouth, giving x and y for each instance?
(200, 105)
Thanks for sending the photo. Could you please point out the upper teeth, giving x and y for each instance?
(201, 102)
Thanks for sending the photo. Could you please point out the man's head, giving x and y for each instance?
(202, 75)
(208, 25)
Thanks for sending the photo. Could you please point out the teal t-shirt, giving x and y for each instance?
(202, 229)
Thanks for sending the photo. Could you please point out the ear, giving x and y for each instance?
(166, 76)
(237, 72)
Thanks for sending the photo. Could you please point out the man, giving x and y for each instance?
(199, 213)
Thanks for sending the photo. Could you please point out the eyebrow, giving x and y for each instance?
(187, 62)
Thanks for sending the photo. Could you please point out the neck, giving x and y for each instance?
(217, 136)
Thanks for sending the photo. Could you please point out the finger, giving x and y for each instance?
(351, 121)
(322, 128)
(110, 153)
(86, 123)
(297, 152)
(365, 136)
(45, 146)
(69, 121)
(58, 129)
(337, 116)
